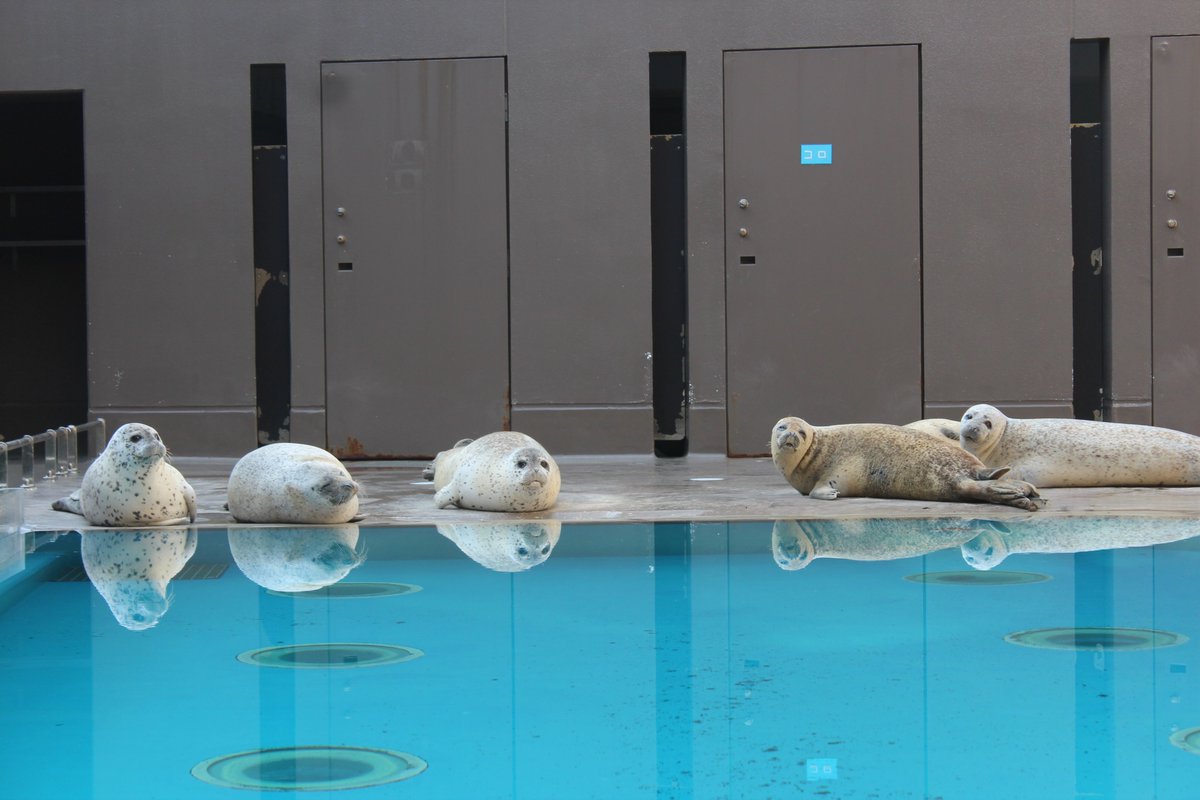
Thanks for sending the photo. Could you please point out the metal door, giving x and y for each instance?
(416, 254)
(822, 238)
(1175, 189)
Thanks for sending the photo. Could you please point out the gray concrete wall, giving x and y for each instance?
(170, 278)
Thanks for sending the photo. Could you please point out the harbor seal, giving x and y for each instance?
(875, 460)
(296, 559)
(131, 570)
(504, 546)
(1076, 452)
(292, 483)
(503, 471)
(944, 430)
(131, 484)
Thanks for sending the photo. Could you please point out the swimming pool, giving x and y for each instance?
(943, 658)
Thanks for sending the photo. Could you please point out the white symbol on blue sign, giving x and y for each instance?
(816, 154)
(821, 769)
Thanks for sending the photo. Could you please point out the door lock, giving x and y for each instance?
(341, 239)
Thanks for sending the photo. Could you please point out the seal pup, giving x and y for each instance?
(296, 559)
(944, 430)
(1076, 452)
(131, 484)
(292, 483)
(131, 570)
(876, 460)
(503, 471)
(504, 546)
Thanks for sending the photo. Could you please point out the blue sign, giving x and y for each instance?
(816, 154)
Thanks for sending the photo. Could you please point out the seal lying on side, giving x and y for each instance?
(872, 460)
(131, 484)
(296, 483)
(941, 429)
(1075, 452)
(131, 570)
(504, 471)
(797, 543)
(999, 540)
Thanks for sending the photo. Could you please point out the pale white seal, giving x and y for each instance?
(874, 460)
(131, 570)
(944, 430)
(504, 471)
(292, 483)
(131, 484)
(999, 540)
(296, 559)
(504, 546)
(1075, 452)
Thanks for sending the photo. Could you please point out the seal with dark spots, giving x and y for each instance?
(131, 484)
(502, 471)
(292, 483)
(875, 460)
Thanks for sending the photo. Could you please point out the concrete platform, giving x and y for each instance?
(636, 489)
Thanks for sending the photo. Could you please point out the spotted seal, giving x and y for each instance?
(131, 570)
(292, 483)
(504, 546)
(1048, 534)
(797, 543)
(876, 460)
(503, 471)
(131, 484)
(1076, 452)
(296, 559)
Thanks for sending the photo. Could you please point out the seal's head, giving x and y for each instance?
(791, 439)
(136, 442)
(982, 426)
(531, 467)
(505, 546)
(985, 551)
(336, 489)
(791, 546)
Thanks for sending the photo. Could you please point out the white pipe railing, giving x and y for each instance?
(60, 451)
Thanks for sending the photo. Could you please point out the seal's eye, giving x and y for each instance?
(137, 437)
(522, 463)
(969, 416)
(987, 423)
(545, 549)
(782, 427)
(545, 464)
(522, 551)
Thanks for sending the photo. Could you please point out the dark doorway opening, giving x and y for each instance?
(668, 245)
(1089, 214)
(272, 303)
(42, 262)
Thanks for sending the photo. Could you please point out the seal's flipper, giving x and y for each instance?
(189, 498)
(447, 496)
(1011, 493)
(429, 471)
(69, 504)
(991, 473)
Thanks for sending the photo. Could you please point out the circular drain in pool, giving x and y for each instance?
(1187, 739)
(352, 589)
(309, 769)
(970, 577)
(336, 655)
(1096, 638)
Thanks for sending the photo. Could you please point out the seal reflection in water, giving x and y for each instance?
(1076, 452)
(504, 546)
(797, 543)
(872, 460)
(131, 484)
(296, 559)
(131, 570)
(998, 540)
(504, 471)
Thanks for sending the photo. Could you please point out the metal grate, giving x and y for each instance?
(190, 572)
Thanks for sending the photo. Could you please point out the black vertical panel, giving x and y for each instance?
(668, 243)
(272, 315)
(42, 262)
(1088, 214)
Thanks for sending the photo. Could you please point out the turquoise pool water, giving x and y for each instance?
(861, 659)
